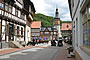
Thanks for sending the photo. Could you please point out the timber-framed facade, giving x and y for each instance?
(13, 17)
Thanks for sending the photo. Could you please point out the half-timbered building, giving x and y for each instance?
(13, 20)
(48, 33)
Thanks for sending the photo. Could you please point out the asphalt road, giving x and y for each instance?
(35, 53)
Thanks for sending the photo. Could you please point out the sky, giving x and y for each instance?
(48, 7)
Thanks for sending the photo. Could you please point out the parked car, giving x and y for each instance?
(60, 38)
(60, 42)
(66, 40)
(53, 43)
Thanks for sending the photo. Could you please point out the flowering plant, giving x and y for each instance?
(18, 35)
(21, 35)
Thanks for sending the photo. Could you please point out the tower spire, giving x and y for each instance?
(56, 13)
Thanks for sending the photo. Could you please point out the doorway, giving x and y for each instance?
(11, 32)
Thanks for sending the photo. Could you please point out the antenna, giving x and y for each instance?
(56, 6)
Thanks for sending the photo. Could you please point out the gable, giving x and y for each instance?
(46, 29)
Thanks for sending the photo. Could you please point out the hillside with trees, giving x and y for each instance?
(47, 20)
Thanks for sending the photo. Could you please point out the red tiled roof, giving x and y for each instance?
(36, 24)
(66, 26)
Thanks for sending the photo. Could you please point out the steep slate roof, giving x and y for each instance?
(36, 24)
(66, 26)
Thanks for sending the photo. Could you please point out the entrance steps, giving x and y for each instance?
(14, 44)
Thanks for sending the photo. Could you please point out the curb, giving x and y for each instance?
(19, 49)
(16, 51)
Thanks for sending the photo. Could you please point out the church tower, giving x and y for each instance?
(57, 23)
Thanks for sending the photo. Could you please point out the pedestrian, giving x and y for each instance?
(36, 41)
(33, 42)
(69, 49)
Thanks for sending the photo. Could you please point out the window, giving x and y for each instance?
(0, 30)
(10, 9)
(85, 15)
(46, 32)
(89, 10)
(86, 26)
(21, 32)
(89, 31)
(85, 34)
(22, 15)
(51, 33)
(16, 12)
(41, 33)
(1, 4)
(17, 30)
(6, 6)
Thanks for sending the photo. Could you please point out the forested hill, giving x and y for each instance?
(46, 20)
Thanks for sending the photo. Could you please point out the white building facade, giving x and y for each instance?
(80, 14)
(13, 21)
